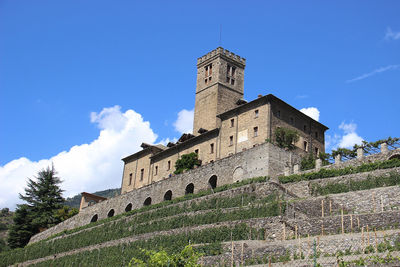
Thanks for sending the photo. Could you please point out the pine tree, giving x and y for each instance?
(44, 197)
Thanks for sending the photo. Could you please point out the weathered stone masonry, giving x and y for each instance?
(263, 160)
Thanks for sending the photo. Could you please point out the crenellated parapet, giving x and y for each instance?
(221, 52)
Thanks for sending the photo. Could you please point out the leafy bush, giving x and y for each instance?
(187, 162)
(286, 138)
(326, 173)
(369, 183)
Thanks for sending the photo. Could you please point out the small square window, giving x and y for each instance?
(256, 113)
(196, 151)
(141, 174)
(232, 122)
(232, 81)
(231, 140)
(255, 131)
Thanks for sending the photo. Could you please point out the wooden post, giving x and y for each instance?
(351, 223)
(376, 241)
(299, 246)
(232, 255)
(317, 243)
(358, 222)
(269, 262)
(242, 255)
(295, 231)
(373, 201)
(342, 222)
(368, 236)
(381, 203)
(362, 237)
(284, 231)
(322, 208)
(322, 228)
(309, 245)
(330, 207)
(265, 234)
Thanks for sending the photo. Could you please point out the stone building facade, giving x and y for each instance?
(224, 123)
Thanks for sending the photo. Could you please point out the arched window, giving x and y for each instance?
(213, 181)
(168, 195)
(110, 213)
(189, 189)
(94, 218)
(147, 202)
(128, 207)
(395, 156)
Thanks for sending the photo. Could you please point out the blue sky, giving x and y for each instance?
(74, 73)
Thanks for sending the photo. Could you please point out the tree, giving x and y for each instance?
(65, 212)
(286, 138)
(43, 196)
(21, 230)
(187, 162)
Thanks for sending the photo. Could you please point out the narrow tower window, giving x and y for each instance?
(156, 171)
(230, 74)
(305, 144)
(256, 113)
(232, 122)
(130, 178)
(231, 140)
(255, 131)
(208, 73)
(141, 174)
(212, 148)
(169, 165)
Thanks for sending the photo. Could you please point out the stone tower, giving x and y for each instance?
(220, 76)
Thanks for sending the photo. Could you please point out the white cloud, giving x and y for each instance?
(347, 140)
(87, 167)
(184, 123)
(374, 72)
(391, 34)
(311, 112)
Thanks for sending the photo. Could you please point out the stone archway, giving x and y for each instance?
(168, 195)
(213, 181)
(110, 213)
(238, 174)
(94, 218)
(128, 207)
(147, 202)
(189, 189)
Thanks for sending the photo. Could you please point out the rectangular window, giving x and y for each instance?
(305, 146)
(169, 165)
(156, 171)
(130, 178)
(211, 148)
(231, 140)
(230, 74)
(207, 73)
(232, 122)
(141, 174)
(256, 113)
(255, 131)
(316, 151)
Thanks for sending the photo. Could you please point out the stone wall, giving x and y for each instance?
(262, 160)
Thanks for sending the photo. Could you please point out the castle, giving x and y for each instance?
(230, 136)
(224, 124)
